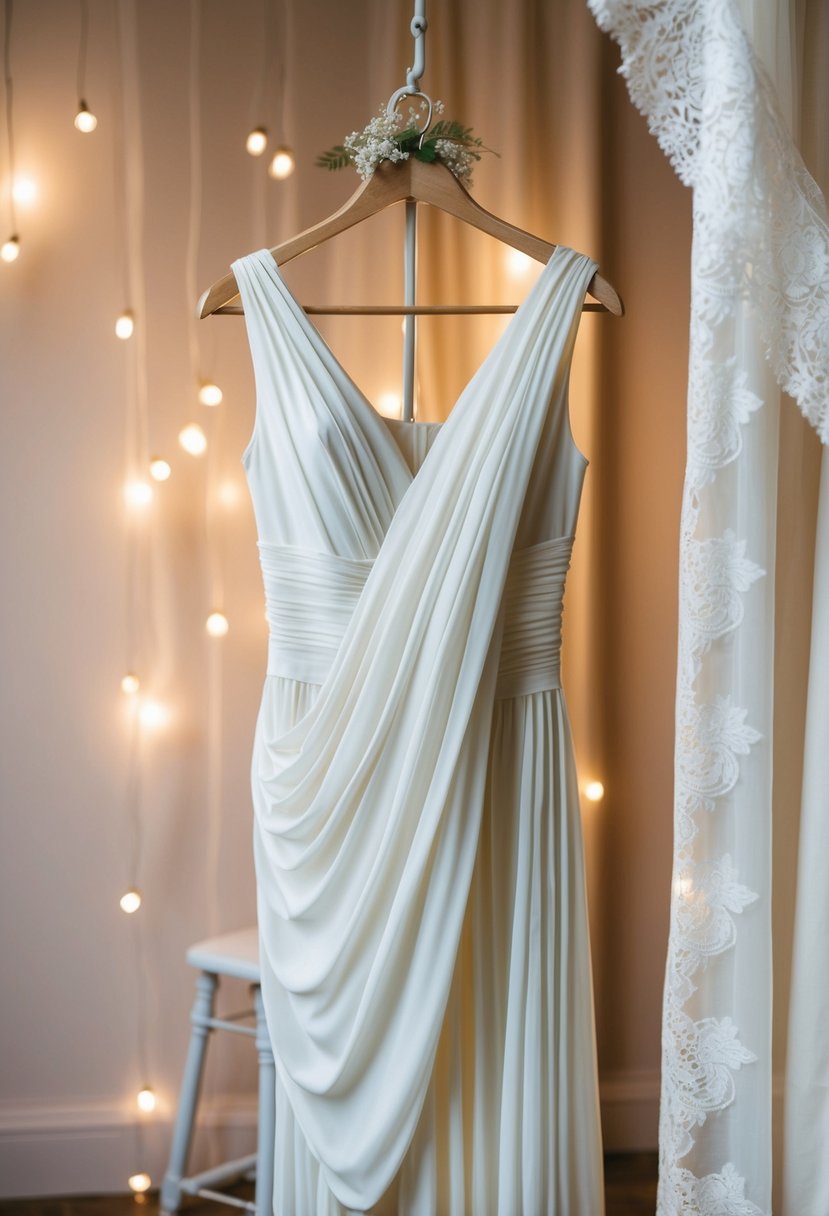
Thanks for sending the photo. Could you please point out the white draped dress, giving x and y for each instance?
(423, 931)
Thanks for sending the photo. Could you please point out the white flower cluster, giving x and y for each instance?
(378, 142)
(457, 157)
(375, 143)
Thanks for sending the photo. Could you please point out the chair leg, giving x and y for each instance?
(203, 1009)
(267, 1110)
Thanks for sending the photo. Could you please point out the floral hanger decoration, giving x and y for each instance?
(383, 139)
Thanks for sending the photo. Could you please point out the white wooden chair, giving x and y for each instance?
(237, 955)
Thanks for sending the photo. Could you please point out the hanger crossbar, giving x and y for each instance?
(404, 310)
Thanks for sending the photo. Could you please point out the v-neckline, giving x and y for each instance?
(316, 340)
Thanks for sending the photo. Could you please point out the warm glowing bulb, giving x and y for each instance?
(130, 902)
(10, 250)
(153, 715)
(217, 624)
(594, 791)
(193, 439)
(84, 120)
(283, 163)
(24, 191)
(257, 141)
(683, 886)
(160, 469)
(210, 394)
(389, 405)
(138, 493)
(125, 325)
(146, 1099)
(140, 1183)
(130, 684)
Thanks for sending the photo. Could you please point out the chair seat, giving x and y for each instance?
(235, 954)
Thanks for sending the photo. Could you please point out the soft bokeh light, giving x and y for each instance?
(229, 493)
(153, 715)
(257, 141)
(193, 439)
(389, 405)
(138, 493)
(160, 469)
(140, 1183)
(125, 325)
(519, 264)
(24, 191)
(217, 624)
(210, 394)
(130, 902)
(85, 121)
(283, 163)
(594, 791)
(10, 249)
(130, 684)
(683, 886)
(146, 1099)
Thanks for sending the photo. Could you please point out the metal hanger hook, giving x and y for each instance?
(412, 88)
(418, 27)
(407, 91)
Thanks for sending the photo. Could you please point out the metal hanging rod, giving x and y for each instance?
(418, 26)
(412, 88)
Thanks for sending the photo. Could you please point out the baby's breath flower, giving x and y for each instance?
(387, 138)
(456, 157)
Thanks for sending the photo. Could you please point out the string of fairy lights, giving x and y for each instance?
(10, 248)
(145, 472)
(273, 70)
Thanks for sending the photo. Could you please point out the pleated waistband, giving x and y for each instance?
(310, 599)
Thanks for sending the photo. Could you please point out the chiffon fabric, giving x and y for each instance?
(423, 932)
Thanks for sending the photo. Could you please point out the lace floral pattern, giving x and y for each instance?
(691, 71)
(720, 1194)
(760, 281)
(722, 404)
(714, 581)
(709, 893)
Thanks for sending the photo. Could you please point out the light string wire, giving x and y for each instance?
(83, 42)
(214, 724)
(258, 103)
(283, 217)
(194, 217)
(8, 90)
(214, 575)
(258, 190)
(142, 633)
(280, 34)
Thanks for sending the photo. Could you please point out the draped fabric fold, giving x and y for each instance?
(368, 809)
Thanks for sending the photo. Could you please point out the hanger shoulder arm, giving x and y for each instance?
(437, 185)
(373, 195)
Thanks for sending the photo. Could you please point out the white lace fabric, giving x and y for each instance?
(759, 217)
(759, 320)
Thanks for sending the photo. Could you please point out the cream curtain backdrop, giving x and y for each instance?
(577, 165)
(760, 316)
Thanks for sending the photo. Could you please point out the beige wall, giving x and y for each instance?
(577, 165)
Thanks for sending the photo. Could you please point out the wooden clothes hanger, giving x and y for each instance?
(408, 181)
